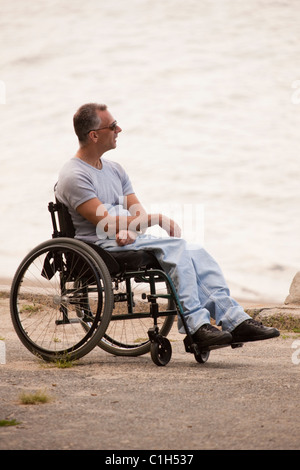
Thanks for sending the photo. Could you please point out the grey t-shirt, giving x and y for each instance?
(79, 182)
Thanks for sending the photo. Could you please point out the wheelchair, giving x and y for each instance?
(69, 296)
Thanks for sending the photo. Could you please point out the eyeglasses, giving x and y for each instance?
(112, 127)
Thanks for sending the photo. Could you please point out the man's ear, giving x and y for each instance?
(94, 136)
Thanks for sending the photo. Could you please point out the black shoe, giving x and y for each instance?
(252, 330)
(208, 335)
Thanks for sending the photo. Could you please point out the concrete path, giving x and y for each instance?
(246, 398)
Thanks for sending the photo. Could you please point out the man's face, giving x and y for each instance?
(107, 136)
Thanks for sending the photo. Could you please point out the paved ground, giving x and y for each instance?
(246, 398)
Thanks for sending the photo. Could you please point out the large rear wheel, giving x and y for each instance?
(61, 299)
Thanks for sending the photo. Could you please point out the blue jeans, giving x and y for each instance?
(198, 280)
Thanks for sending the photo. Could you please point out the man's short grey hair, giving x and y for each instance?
(86, 119)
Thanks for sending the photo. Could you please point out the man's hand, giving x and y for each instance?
(170, 226)
(175, 230)
(125, 237)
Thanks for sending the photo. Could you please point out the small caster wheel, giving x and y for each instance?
(202, 356)
(161, 351)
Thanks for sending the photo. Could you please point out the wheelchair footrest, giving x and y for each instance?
(237, 345)
(194, 347)
(189, 346)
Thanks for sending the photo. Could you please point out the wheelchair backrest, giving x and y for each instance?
(63, 227)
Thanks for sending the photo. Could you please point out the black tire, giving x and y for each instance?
(202, 356)
(129, 337)
(161, 351)
(61, 285)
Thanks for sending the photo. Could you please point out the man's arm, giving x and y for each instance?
(94, 211)
(149, 220)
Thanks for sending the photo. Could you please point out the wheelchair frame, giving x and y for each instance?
(73, 320)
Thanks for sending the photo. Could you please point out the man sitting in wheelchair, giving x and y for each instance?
(93, 187)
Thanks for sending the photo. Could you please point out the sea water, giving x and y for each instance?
(207, 95)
